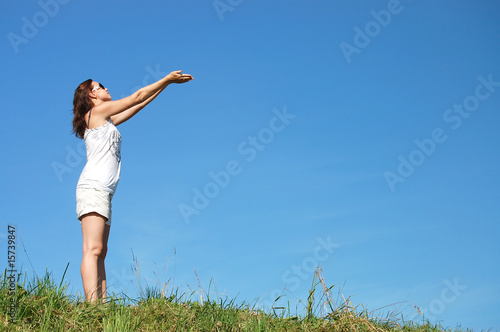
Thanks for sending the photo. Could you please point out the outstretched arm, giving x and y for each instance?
(128, 113)
(143, 96)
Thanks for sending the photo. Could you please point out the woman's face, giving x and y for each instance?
(100, 91)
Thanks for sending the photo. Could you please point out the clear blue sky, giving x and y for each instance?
(359, 135)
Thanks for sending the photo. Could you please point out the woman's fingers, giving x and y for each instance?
(185, 77)
(178, 77)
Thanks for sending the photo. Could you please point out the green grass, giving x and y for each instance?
(44, 305)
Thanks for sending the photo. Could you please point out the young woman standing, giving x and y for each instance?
(95, 119)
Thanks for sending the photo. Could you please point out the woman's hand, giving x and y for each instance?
(178, 77)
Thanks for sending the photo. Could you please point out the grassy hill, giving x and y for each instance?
(42, 304)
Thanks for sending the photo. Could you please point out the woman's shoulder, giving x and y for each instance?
(99, 125)
(95, 120)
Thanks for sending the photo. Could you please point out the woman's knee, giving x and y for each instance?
(98, 250)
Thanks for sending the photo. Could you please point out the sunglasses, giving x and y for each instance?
(98, 87)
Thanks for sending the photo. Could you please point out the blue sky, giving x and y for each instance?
(360, 135)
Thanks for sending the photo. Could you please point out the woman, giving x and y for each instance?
(95, 120)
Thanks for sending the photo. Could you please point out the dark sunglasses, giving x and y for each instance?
(98, 87)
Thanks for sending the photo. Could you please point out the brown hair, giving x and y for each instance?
(81, 105)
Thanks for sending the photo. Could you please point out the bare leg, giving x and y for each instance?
(95, 244)
(101, 271)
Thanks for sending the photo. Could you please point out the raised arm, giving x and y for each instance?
(136, 101)
(128, 113)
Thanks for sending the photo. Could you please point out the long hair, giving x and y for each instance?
(81, 105)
